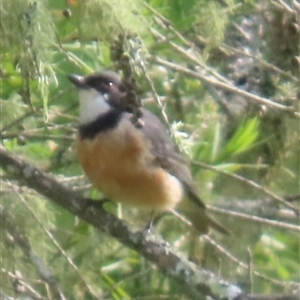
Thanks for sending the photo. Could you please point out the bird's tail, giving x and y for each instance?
(195, 211)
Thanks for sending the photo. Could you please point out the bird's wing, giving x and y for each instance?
(163, 149)
(168, 157)
(166, 154)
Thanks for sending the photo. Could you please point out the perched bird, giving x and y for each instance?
(131, 165)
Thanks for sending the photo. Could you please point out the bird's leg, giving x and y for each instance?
(147, 229)
(153, 220)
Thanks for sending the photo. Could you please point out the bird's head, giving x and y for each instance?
(98, 94)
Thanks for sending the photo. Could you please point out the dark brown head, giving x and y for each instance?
(107, 83)
(98, 93)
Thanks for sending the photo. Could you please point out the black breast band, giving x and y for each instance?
(104, 122)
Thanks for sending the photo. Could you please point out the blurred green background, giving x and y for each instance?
(248, 46)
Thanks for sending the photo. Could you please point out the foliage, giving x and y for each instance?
(247, 149)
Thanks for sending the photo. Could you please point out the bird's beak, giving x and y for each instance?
(77, 80)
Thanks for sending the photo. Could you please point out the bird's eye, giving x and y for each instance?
(104, 87)
(107, 85)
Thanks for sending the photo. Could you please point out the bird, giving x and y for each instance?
(138, 166)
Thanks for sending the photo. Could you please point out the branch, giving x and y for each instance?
(22, 241)
(250, 183)
(194, 282)
(224, 86)
(256, 219)
(263, 207)
(58, 246)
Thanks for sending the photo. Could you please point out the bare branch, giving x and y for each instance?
(274, 223)
(194, 281)
(57, 245)
(245, 266)
(22, 241)
(250, 183)
(224, 86)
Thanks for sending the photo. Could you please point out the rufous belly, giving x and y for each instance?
(118, 162)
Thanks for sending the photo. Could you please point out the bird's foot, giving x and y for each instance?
(153, 221)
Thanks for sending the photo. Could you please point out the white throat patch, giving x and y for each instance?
(92, 104)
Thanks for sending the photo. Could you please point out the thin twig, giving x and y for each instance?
(24, 244)
(191, 57)
(273, 223)
(198, 283)
(250, 183)
(56, 244)
(230, 255)
(243, 265)
(7, 136)
(158, 99)
(226, 87)
(18, 280)
(223, 47)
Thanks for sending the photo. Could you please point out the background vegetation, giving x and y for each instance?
(223, 75)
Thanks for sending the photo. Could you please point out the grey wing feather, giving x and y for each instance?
(163, 149)
(168, 157)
